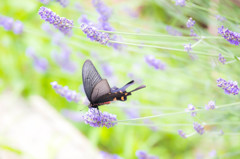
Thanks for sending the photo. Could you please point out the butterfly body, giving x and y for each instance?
(98, 90)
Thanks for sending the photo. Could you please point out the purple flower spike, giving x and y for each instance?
(95, 35)
(44, 1)
(143, 155)
(40, 64)
(191, 109)
(190, 23)
(232, 37)
(61, 23)
(156, 63)
(221, 59)
(180, 3)
(173, 31)
(198, 127)
(211, 105)
(65, 92)
(8, 23)
(187, 48)
(63, 3)
(220, 18)
(182, 134)
(96, 118)
(105, 155)
(230, 87)
(18, 27)
(102, 9)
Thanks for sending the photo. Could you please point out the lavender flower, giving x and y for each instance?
(102, 9)
(221, 59)
(61, 23)
(96, 118)
(191, 109)
(107, 70)
(64, 61)
(105, 155)
(230, 87)
(192, 33)
(232, 37)
(157, 64)
(143, 155)
(210, 105)
(95, 35)
(40, 64)
(18, 27)
(220, 18)
(9, 24)
(180, 3)
(187, 48)
(63, 3)
(85, 20)
(190, 23)
(182, 134)
(72, 115)
(173, 31)
(44, 1)
(198, 127)
(65, 92)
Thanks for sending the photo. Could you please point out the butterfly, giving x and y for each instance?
(98, 90)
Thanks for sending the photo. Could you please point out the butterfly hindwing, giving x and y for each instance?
(101, 89)
(122, 96)
(90, 78)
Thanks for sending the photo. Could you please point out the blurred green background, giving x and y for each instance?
(183, 82)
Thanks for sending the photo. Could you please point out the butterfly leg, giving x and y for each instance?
(99, 113)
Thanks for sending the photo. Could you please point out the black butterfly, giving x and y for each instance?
(98, 90)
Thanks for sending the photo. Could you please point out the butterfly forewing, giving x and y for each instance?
(90, 78)
(102, 88)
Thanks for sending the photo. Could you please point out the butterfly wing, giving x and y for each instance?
(101, 89)
(90, 78)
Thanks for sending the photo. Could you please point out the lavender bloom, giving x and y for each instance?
(180, 3)
(102, 9)
(96, 118)
(232, 37)
(44, 1)
(18, 27)
(72, 115)
(192, 33)
(191, 109)
(199, 128)
(190, 23)
(187, 48)
(65, 92)
(143, 155)
(173, 31)
(212, 153)
(220, 18)
(64, 61)
(7, 23)
(63, 3)
(85, 20)
(221, 59)
(107, 70)
(182, 134)
(61, 23)
(105, 155)
(230, 87)
(40, 64)
(157, 64)
(95, 35)
(211, 105)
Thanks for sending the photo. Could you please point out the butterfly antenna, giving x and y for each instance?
(140, 87)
